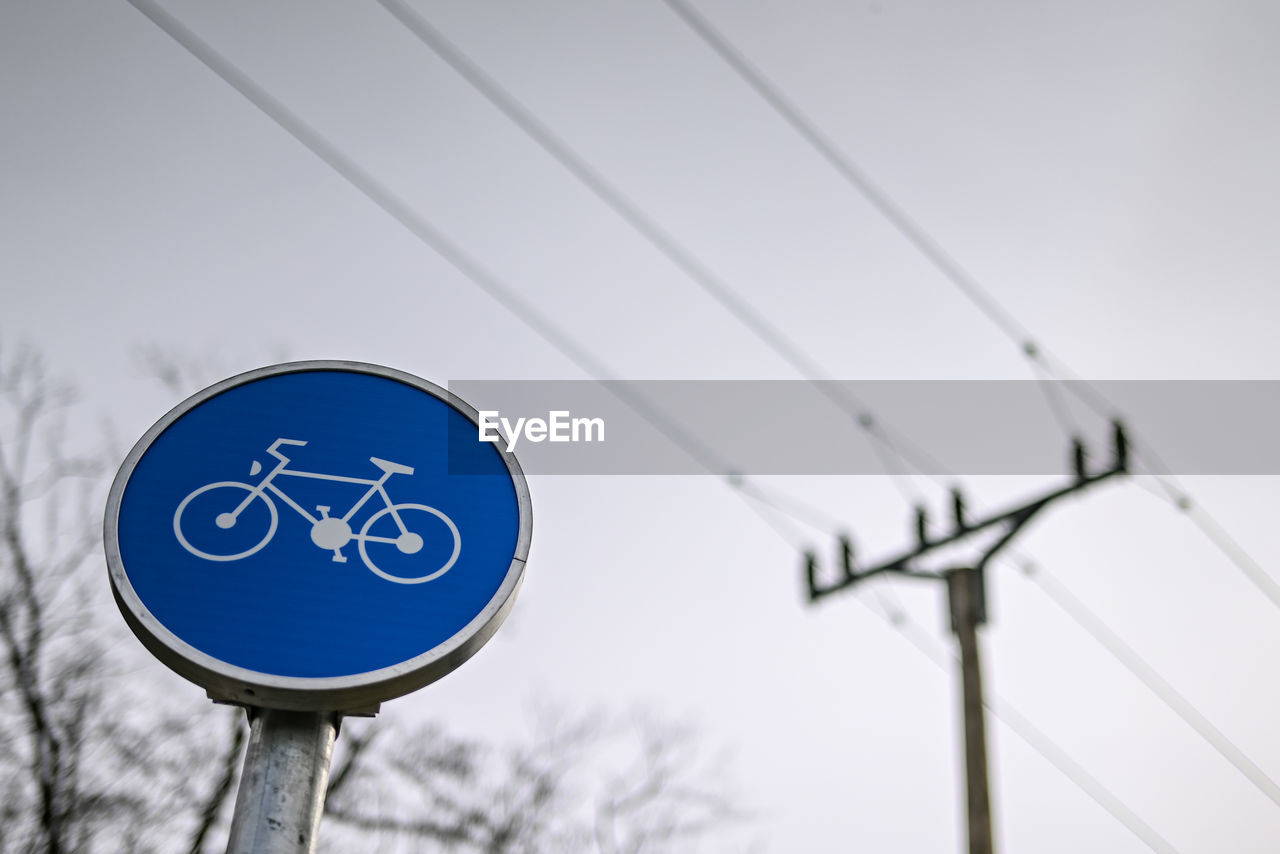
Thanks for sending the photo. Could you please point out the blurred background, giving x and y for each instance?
(671, 190)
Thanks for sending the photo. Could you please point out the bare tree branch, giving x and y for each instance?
(213, 805)
(51, 709)
(68, 770)
(581, 785)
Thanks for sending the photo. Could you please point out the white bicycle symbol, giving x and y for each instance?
(330, 533)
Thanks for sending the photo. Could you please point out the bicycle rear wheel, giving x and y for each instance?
(217, 512)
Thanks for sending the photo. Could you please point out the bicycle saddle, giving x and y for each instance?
(390, 467)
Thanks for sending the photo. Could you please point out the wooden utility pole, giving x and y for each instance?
(966, 593)
(968, 611)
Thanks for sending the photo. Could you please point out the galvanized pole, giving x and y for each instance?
(282, 788)
(968, 611)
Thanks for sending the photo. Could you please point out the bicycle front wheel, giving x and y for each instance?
(407, 536)
(214, 516)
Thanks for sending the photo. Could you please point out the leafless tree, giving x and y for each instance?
(667, 798)
(46, 496)
(90, 761)
(582, 784)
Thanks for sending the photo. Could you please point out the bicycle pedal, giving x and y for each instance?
(339, 557)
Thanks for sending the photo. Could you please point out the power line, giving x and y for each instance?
(1158, 685)
(931, 249)
(951, 269)
(772, 515)
(554, 145)
(520, 115)
(1172, 493)
(511, 107)
(742, 310)
(878, 198)
(793, 507)
(1076, 610)
(1041, 743)
(1236, 553)
(1057, 402)
(435, 239)
(897, 446)
(894, 213)
(1042, 361)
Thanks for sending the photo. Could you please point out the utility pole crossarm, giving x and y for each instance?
(1012, 521)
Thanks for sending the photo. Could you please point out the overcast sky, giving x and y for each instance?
(1105, 170)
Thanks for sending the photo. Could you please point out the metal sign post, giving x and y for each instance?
(281, 795)
(309, 540)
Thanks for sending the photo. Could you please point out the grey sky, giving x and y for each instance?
(1105, 170)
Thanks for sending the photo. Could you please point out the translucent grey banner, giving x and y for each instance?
(874, 427)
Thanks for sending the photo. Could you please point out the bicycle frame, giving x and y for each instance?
(268, 483)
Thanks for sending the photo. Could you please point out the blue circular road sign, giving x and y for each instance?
(317, 536)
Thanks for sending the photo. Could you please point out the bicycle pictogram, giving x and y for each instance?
(395, 526)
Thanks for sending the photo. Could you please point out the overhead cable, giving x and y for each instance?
(964, 281)
(882, 440)
(1041, 743)
(1157, 684)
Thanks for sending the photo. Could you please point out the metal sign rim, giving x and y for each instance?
(362, 691)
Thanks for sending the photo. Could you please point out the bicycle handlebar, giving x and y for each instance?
(277, 443)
